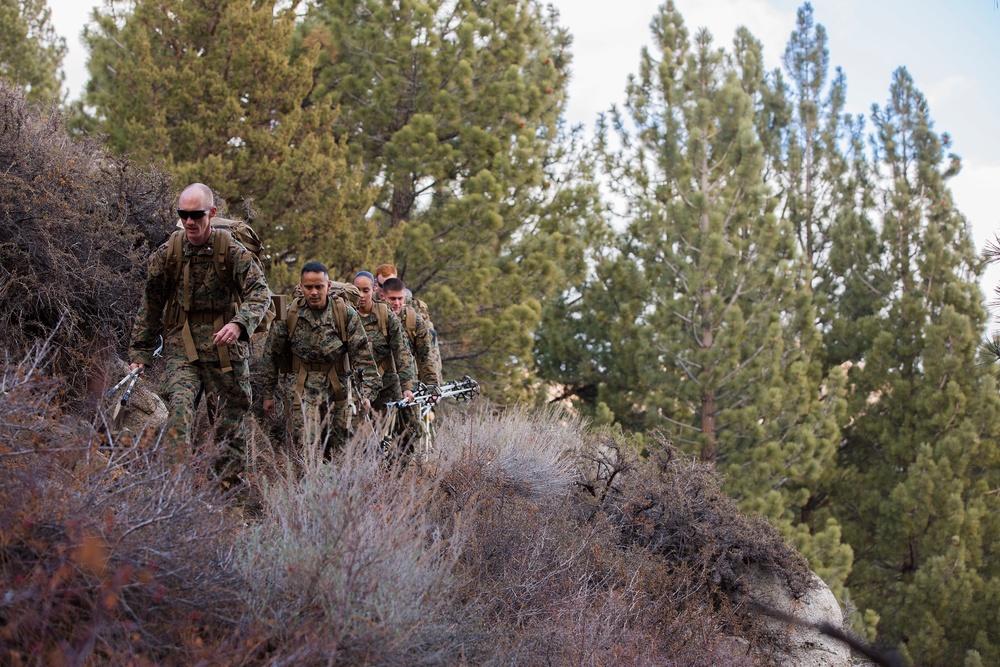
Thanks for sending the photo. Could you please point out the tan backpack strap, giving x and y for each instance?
(224, 361)
(301, 370)
(411, 321)
(220, 255)
(340, 314)
(383, 324)
(292, 318)
(383, 318)
(175, 254)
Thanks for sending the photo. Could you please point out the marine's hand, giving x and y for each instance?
(408, 395)
(268, 407)
(132, 367)
(366, 405)
(227, 335)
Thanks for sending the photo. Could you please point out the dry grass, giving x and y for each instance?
(524, 541)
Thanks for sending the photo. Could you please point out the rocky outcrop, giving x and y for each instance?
(808, 647)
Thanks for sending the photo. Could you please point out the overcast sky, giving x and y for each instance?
(950, 47)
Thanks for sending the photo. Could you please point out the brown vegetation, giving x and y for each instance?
(523, 541)
(75, 230)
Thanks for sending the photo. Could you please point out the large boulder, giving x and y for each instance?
(817, 606)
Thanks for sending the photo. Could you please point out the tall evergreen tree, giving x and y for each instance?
(918, 470)
(712, 325)
(209, 90)
(31, 53)
(827, 193)
(454, 107)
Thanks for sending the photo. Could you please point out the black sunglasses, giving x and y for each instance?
(194, 215)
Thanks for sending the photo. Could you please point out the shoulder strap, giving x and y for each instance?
(410, 322)
(220, 255)
(292, 318)
(383, 318)
(175, 255)
(340, 314)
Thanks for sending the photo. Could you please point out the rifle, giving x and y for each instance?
(427, 396)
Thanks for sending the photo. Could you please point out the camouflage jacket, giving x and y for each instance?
(421, 345)
(424, 312)
(208, 293)
(392, 346)
(317, 340)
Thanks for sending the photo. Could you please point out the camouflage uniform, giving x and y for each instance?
(421, 345)
(392, 347)
(317, 340)
(183, 378)
(435, 350)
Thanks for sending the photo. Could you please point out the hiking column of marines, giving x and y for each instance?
(206, 294)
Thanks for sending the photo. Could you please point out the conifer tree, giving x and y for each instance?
(710, 325)
(31, 53)
(827, 194)
(918, 469)
(455, 107)
(209, 91)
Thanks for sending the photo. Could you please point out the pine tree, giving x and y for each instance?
(31, 53)
(918, 469)
(210, 92)
(711, 328)
(455, 107)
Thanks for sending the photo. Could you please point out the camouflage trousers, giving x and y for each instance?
(229, 400)
(407, 425)
(316, 420)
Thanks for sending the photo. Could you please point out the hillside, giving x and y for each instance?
(523, 539)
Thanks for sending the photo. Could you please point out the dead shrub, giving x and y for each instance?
(76, 226)
(110, 552)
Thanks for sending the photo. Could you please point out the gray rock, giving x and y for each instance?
(808, 647)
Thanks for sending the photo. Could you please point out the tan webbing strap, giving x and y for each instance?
(220, 253)
(383, 324)
(224, 361)
(410, 323)
(189, 348)
(301, 369)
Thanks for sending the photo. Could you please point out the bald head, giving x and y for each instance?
(199, 192)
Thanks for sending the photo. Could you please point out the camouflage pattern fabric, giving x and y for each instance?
(184, 378)
(315, 414)
(424, 312)
(421, 345)
(394, 345)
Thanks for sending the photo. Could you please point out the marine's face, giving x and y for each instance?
(364, 285)
(378, 284)
(196, 214)
(396, 300)
(316, 287)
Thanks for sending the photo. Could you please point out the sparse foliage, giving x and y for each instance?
(31, 53)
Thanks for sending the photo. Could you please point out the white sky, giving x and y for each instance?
(950, 47)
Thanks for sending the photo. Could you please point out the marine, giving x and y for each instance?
(418, 334)
(206, 307)
(326, 332)
(389, 348)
